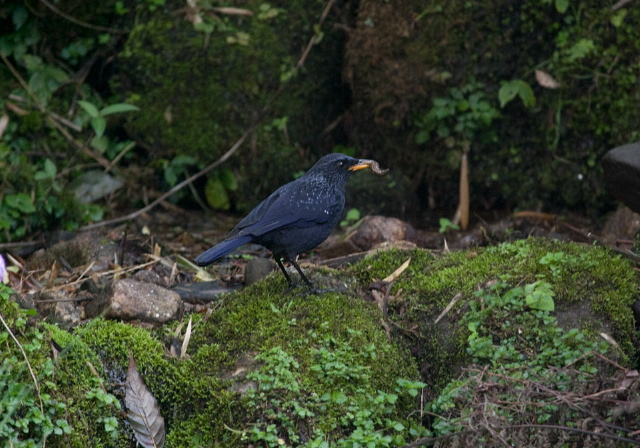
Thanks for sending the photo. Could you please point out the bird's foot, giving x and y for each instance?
(310, 289)
(318, 291)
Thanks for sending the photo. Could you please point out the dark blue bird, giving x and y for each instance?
(298, 216)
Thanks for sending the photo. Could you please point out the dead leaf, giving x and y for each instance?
(229, 10)
(395, 274)
(16, 109)
(449, 306)
(143, 410)
(610, 340)
(546, 80)
(185, 342)
(4, 122)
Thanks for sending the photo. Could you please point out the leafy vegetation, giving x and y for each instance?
(334, 405)
(30, 410)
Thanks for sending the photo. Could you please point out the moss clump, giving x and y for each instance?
(593, 292)
(334, 340)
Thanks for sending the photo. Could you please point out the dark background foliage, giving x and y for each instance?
(411, 84)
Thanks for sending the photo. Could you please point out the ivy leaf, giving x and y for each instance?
(509, 90)
(580, 49)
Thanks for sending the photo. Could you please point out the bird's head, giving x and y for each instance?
(342, 166)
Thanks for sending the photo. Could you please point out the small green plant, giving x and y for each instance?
(29, 413)
(529, 338)
(464, 115)
(333, 406)
(446, 225)
(519, 350)
(104, 399)
(539, 296)
(516, 88)
(351, 218)
(99, 122)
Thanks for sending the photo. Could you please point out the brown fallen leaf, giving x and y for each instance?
(143, 410)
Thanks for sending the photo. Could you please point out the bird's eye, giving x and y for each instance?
(342, 163)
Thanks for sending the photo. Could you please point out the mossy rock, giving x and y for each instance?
(594, 290)
(335, 341)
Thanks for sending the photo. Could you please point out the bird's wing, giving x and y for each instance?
(284, 208)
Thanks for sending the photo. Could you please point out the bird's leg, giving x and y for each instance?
(312, 289)
(284, 271)
(304, 277)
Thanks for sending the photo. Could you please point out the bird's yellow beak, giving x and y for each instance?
(362, 164)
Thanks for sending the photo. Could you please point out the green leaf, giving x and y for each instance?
(32, 63)
(89, 108)
(618, 18)
(539, 296)
(562, 6)
(100, 143)
(50, 168)
(228, 179)
(422, 137)
(353, 214)
(19, 16)
(118, 108)
(580, 49)
(99, 124)
(216, 194)
(509, 90)
(20, 201)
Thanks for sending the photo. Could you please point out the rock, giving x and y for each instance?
(86, 248)
(150, 276)
(201, 291)
(129, 299)
(621, 167)
(623, 224)
(93, 185)
(257, 269)
(61, 307)
(375, 230)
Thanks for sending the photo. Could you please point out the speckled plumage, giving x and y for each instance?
(295, 218)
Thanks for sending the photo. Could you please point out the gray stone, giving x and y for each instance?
(61, 307)
(621, 167)
(201, 292)
(132, 300)
(257, 269)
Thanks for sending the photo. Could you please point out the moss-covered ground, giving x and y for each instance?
(272, 367)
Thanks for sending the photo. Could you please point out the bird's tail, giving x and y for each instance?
(210, 255)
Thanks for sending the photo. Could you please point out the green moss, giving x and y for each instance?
(266, 316)
(594, 290)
